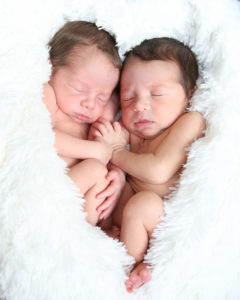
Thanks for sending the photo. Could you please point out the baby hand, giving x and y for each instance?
(113, 134)
(112, 192)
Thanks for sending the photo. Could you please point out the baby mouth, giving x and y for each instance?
(81, 117)
(143, 123)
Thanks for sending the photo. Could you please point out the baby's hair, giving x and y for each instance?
(80, 33)
(169, 49)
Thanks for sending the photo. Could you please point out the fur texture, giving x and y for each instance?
(48, 251)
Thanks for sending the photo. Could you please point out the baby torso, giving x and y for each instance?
(148, 146)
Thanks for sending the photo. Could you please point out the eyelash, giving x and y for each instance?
(103, 100)
(128, 98)
(78, 91)
(157, 94)
(99, 98)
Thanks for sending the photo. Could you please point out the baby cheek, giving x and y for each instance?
(64, 105)
(127, 111)
(127, 118)
(98, 112)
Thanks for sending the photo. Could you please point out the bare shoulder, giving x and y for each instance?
(193, 123)
(189, 127)
(49, 99)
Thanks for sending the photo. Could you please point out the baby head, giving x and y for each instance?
(85, 70)
(158, 78)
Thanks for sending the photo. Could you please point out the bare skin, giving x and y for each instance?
(153, 112)
(76, 96)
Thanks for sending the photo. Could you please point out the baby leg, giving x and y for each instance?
(111, 226)
(89, 177)
(118, 211)
(140, 216)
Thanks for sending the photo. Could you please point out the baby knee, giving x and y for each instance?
(144, 204)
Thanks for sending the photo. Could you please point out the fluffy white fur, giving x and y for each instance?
(48, 251)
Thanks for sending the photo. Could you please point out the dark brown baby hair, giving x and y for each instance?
(173, 50)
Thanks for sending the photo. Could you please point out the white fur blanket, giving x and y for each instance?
(47, 249)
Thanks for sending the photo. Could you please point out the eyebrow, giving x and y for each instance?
(159, 85)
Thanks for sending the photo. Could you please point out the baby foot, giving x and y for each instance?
(138, 277)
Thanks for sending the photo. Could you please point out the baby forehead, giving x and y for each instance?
(134, 62)
(92, 61)
(152, 70)
(86, 53)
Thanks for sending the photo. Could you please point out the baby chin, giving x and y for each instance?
(147, 132)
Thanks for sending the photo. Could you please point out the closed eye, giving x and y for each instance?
(78, 90)
(157, 96)
(128, 98)
(157, 93)
(102, 99)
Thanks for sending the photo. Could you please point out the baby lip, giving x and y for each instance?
(82, 117)
(143, 123)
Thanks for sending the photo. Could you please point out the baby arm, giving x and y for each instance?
(171, 154)
(160, 165)
(69, 146)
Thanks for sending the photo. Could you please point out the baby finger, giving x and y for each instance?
(117, 127)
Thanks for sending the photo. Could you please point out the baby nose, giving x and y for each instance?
(142, 105)
(89, 103)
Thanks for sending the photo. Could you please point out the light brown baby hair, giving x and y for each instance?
(80, 33)
(169, 49)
